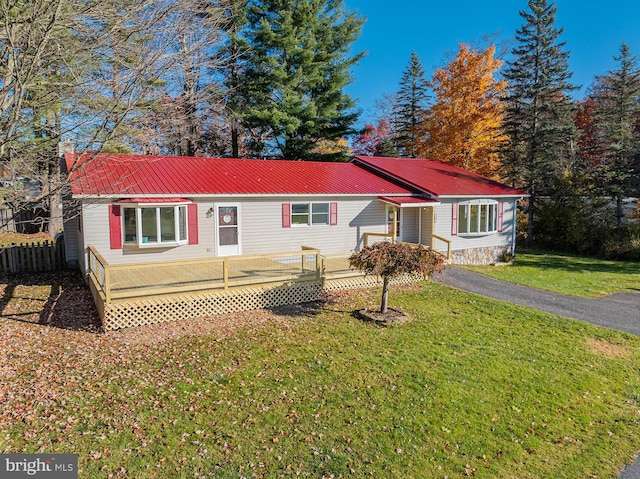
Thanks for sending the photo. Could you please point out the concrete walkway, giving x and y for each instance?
(619, 311)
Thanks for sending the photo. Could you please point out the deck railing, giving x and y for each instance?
(389, 237)
(368, 236)
(120, 281)
(444, 240)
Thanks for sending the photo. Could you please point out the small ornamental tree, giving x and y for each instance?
(389, 260)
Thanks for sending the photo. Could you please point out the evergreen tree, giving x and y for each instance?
(297, 66)
(233, 68)
(538, 112)
(617, 98)
(412, 101)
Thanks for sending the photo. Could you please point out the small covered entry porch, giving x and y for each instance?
(411, 219)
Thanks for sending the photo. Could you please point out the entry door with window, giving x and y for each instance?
(393, 213)
(228, 229)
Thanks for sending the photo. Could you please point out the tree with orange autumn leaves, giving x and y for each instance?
(463, 125)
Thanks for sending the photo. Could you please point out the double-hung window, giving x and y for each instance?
(155, 225)
(309, 214)
(477, 217)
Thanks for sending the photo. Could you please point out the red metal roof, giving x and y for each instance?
(437, 178)
(142, 175)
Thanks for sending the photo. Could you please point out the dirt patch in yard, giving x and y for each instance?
(606, 348)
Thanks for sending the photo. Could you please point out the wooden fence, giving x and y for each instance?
(32, 257)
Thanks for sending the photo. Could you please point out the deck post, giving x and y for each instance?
(319, 265)
(225, 273)
(107, 284)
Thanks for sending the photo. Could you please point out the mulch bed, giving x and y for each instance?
(392, 316)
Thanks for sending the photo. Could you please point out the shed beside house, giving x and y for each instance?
(146, 226)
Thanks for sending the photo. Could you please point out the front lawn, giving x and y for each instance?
(568, 274)
(471, 387)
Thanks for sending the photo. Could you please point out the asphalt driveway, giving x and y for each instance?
(619, 311)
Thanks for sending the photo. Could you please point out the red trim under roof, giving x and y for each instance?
(154, 200)
(403, 201)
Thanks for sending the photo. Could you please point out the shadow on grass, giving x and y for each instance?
(567, 262)
(59, 300)
(309, 309)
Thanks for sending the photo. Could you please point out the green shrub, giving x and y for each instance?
(580, 225)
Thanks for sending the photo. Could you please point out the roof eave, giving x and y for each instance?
(229, 195)
(483, 195)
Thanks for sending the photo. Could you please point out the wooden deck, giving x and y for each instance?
(132, 295)
(160, 278)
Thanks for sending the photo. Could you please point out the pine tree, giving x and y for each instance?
(297, 66)
(539, 112)
(617, 98)
(412, 99)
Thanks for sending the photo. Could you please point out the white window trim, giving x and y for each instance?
(310, 222)
(139, 243)
(479, 203)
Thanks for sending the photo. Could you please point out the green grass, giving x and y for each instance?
(471, 387)
(568, 274)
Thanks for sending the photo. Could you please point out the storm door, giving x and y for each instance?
(228, 229)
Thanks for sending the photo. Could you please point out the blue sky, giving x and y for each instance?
(593, 30)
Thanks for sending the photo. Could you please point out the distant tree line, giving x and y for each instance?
(266, 79)
(577, 160)
(242, 78)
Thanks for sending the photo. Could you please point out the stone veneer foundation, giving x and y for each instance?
(488, 255)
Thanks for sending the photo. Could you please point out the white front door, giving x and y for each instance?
(228, 229)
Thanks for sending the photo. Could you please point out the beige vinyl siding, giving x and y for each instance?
(427, 226)
(460, 242)
(410, 225)
(260, 229)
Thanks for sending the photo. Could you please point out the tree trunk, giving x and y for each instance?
(619, 217)
(531, 211)
(385, 294)
(235, 150)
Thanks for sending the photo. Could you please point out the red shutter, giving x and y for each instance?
(333, 215)
(192, 222)
(500, 215)
(286, 215)
(454, 219)
(115, 226)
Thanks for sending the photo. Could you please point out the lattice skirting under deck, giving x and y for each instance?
(161, 309)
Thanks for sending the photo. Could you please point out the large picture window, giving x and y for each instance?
(480, 217)
(151, 225)
(309, 214)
